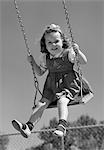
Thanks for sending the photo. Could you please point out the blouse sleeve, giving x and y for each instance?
(42, 60)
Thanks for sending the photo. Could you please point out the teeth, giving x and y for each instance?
(54, 49)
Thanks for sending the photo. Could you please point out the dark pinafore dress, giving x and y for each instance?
(62, 80)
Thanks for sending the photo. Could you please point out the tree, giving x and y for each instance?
(83, 139)
(102, 147)
(4, 140)
(87, 138)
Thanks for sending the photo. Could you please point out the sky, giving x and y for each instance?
(16, 78)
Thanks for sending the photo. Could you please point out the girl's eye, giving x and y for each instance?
(56, 41)
(49, 43)
(53, 42)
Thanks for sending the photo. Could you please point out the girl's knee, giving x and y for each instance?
(40, 107)
(40, 104)
(63, 101)
(44, 102)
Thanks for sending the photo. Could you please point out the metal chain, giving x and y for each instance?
(72, 41)
(68, 21)
(36, 83)
(22, 27)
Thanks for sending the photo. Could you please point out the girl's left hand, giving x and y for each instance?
(75, 48)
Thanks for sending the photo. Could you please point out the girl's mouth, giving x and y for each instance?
(54, 49)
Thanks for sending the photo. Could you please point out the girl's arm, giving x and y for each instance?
(36, 67)
(79, 55)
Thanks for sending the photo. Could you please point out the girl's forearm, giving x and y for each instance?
(81, 58)
(37, 69)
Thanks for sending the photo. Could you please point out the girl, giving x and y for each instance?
(62, 84)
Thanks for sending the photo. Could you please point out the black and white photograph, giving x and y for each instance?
(51, 75)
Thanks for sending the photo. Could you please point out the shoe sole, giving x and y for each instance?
(17, 127)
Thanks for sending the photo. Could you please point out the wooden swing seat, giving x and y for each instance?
(78, 100)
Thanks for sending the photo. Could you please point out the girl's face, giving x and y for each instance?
(54, 43)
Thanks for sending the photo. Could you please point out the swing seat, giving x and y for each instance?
(82, 100)
(78, 100)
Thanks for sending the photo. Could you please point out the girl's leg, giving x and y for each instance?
(25, 129)
(38, 111)
(63, 115)
(63, 108)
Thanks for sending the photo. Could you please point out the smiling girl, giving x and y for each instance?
(62, 84)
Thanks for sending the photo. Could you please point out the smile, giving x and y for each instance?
(55, 49)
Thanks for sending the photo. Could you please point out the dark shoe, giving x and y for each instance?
(22, 128)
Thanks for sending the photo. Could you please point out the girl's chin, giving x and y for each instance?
(54, 54)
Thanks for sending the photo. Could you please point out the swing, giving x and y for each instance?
(80, 99)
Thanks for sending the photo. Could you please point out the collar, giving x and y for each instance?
(57, 55)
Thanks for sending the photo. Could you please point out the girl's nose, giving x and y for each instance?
(54, 44)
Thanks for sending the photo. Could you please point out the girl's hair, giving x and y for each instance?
(53, 28)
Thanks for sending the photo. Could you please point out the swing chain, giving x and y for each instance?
(68, 21)
(36, 83)
(72, 41)
(22, 27)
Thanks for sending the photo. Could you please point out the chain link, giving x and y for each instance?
(68, 21)
(36, 83)
(22, 27)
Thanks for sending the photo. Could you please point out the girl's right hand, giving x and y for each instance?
(30, 59)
